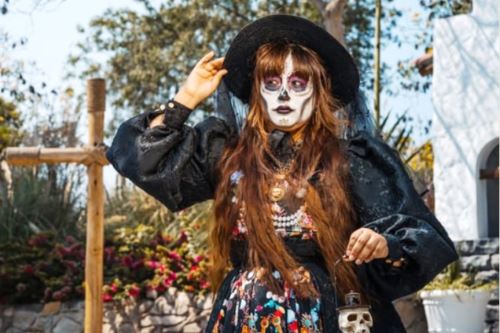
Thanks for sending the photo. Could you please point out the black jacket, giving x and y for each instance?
(175, 163)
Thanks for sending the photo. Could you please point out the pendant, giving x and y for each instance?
(277, 192)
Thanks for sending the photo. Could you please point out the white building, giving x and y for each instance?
(466, 97)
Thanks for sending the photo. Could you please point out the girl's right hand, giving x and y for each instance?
(202, 81)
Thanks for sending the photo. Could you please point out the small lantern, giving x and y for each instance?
(354, 317)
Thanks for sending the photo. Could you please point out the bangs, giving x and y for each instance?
(272, 56)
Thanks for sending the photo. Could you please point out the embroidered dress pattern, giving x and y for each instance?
(251, 307)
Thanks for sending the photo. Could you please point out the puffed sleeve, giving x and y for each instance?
(173, 162)
(386, 201)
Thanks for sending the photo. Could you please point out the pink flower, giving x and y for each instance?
(73, 249)
(153, 264)
(107, 298)
(58, 295)
(70, 239)
(38, 240)
(134, 291)
(62, 251)
(174, 255)
(160, 288)
(137, 264)
(28, 269)
(127, 261)
(166, 283)
(113, 288)
(204, 284)
(71, 265)
(197, 259)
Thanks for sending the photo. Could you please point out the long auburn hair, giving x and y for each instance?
(328, 202)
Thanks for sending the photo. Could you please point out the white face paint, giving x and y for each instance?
(288, 97)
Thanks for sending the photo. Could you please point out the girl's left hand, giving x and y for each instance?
(366, 245)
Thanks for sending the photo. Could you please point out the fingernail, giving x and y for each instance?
(351, 257)
(358, 262)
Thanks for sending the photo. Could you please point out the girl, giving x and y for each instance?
(296, 185)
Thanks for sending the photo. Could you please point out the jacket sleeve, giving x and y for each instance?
(387, 202)
(173, 162)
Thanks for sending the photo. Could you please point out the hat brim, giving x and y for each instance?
(239, 59)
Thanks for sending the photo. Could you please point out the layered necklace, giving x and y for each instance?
(287, 198)
(282, 187)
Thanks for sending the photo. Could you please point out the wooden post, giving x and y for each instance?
(93, 156)
(96, 100)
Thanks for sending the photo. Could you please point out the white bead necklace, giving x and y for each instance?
(288, 221)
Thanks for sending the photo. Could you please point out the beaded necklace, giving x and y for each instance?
(281, 186)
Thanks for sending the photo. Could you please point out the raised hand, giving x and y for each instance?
(202, 81)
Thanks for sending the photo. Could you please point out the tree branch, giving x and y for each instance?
(333, 19)
(320, 5)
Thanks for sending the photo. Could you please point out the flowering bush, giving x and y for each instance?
(138, 262)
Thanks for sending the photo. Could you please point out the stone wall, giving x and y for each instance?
(172, 312)
(479, 256)
(491, 322)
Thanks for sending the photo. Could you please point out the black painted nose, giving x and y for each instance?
(284, 95)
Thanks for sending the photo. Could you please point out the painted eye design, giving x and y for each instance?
(272, 83)
(297, 83)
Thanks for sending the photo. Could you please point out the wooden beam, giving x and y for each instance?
(96, 101)
(489, 174)
(38, 155)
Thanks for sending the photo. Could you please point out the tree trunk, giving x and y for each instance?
(333, 12)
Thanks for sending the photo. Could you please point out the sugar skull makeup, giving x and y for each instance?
(288, 97)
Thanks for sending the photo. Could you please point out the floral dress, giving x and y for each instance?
(251, 306)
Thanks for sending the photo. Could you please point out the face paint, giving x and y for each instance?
(288, 97)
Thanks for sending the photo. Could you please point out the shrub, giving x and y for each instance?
(138, 262)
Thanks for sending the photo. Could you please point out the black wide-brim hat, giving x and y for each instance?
(240, 58)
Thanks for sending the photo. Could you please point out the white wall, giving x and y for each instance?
(466, 97)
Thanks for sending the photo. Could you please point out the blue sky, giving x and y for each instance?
(52, 36)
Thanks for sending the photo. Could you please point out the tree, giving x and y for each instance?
(148, 54)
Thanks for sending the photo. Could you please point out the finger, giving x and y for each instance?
(215, 64)
(205, 58)
(352, 240)
(219, 75)
(374, 255)
(382, 250)
(369, 249)
(358, 246)
(205, 74)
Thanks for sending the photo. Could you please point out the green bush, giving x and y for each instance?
(452, 278)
